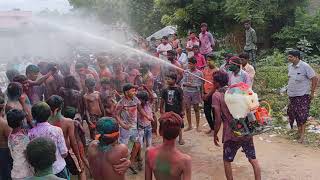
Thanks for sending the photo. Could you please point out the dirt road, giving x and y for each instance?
(280, 159)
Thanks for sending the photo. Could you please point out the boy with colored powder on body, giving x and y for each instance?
(18, 100)
(93, 106)
(108, 97)
(5, 130)
(105, 151)
(17, 142)
(79, 132)
(126, 114)
(67, 125)
(41, 155)
(166, 161)
(193, 92)
(231, 143)
(71, 95)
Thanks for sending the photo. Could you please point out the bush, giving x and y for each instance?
(306, 27)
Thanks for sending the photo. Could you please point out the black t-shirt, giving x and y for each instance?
(173, 99)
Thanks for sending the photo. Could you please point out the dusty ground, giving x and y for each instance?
(280, 159)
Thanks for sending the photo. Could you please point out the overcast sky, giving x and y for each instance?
(35, 5)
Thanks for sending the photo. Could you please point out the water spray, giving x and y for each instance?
(103, 39)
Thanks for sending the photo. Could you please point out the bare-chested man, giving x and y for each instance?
(166, 162)
(5, 130)
(71, 94)
(93, 106)
(54, 82)
(67, 125)
(119, 77)
(108, 97)
(105, 151)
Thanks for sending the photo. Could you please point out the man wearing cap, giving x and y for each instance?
(206, 40)
(301, 88)
(236, 73)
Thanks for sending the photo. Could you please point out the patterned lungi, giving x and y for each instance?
(298, 109)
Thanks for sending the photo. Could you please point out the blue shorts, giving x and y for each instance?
(126, 135)
(145, 133)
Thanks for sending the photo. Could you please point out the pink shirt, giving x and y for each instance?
(201, 61)
(207, 41)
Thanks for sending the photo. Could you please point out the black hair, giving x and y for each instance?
(15, 118)
(51, 67)
(41, 153)
(32, 69)
(55, 102)
(165, 37)
(172, 75)
(90, 82)
(105, 81)
(171, 52)
(295, 53)
(195, 47)
(70, 82)
(69, 112)
(221, 78)
(211, 57)
(20, 79)
(247, 21)
(11, 73)
(2, 103)
(244, 55)
(14, 90)
(41, 112)
(143, 96)
(126, 87)
(192, 60)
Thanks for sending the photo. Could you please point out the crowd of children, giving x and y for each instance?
(118, 98)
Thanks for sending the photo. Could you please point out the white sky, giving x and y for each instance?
(35, 5)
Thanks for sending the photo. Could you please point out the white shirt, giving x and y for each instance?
(164, 48)
(183, 59)
(17, 144)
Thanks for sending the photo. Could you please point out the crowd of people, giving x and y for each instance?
(46, 113)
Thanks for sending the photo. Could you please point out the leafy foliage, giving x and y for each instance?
(307, 27)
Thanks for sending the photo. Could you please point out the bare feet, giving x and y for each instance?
(181, 142)
(188, 129)
(301, 140)
(198, 129)
(209, 131)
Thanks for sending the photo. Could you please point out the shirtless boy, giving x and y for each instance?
(108, 97)
(105, 151)
(5, 130)
(71, 94)
(67, 125)
(18, 100)
(119, 77)
(166, 162)
(93, 106)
